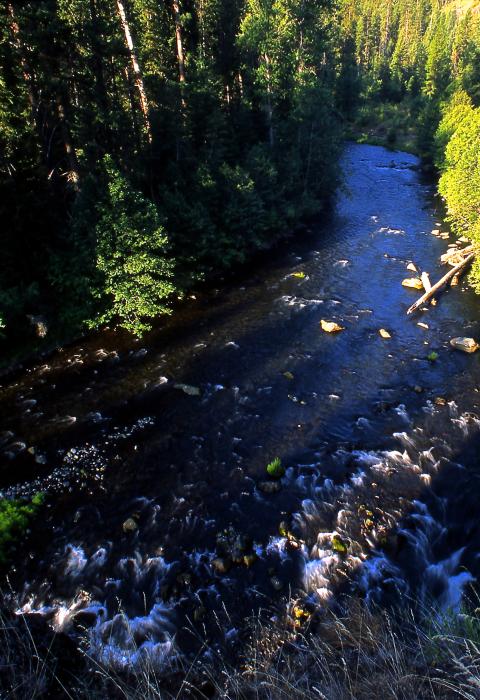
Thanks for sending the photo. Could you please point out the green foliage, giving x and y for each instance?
(432, 356)
(15, 518)
(460, 180)
(131, 250)
(275, 469)
(228, 158)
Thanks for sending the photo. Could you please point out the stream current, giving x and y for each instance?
(160, 530)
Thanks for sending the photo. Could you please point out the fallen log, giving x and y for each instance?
(427, 285)
(451, 273)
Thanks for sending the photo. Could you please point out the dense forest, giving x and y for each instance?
(148, 145)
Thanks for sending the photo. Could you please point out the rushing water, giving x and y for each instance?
(159, 533)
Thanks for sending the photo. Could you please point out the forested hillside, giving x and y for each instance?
(146, 144)
(412, 67)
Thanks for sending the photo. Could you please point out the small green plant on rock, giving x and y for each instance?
(275, 469)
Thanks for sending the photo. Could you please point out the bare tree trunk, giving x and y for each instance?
(451, 273)
(136, 69)
(178, 38)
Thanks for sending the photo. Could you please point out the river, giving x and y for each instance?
(161, 528)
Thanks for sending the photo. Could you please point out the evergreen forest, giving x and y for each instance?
(147, 145)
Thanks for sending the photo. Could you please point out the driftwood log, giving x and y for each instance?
(451, 273)
(427, 285)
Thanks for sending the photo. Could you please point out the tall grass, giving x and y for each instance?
(359, 654)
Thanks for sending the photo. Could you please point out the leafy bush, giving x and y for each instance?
(15, 517)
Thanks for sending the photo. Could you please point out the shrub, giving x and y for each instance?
(275, 469)
(15, 517)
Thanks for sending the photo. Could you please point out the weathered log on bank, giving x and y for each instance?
(451, 273)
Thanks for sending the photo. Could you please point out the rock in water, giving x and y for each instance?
(464, 344)
(412, 267)
(385, 334)
(269, 486)
(221, 565)
(412, 283)
(130, 525)
(331, 326)
(188, 389)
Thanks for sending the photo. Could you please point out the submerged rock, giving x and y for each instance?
(276, 583)
(464, 344)
(269, 486)
(188, 389)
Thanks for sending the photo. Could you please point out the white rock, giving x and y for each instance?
(464, 344)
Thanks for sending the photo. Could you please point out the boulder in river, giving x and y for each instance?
(384, 333)
(130, 525)
(464, 344)
(412, 283)
(331, 326)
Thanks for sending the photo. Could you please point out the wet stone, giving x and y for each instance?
(269, 487)
(276, 583)
(130, 525)
(221, 565)
(249, 559)
(464, 344)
